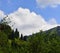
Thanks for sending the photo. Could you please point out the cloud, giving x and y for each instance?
(28, 22)
(2, 15)
(52, 21)
(45, 3)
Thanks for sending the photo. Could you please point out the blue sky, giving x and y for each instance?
(9, 6)
(31, 16)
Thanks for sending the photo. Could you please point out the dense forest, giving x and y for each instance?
(41, 42)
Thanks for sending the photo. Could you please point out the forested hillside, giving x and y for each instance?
(41, 42)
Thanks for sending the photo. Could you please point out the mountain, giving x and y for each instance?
(55, 29)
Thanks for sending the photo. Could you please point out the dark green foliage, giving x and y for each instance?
(12, 35)
(25, 38)
(16, 34)
(41, 42)
(21, 37)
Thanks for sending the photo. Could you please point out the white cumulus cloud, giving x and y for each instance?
(52, 21)
(28, 22)
(2, 15)
(45, 3)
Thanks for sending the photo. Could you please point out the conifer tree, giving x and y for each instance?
(16, 33)
(12, 35)
(22, 36)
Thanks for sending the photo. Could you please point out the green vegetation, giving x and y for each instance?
(41, 42)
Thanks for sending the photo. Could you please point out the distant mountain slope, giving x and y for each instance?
(53, 32)
(55, 29)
